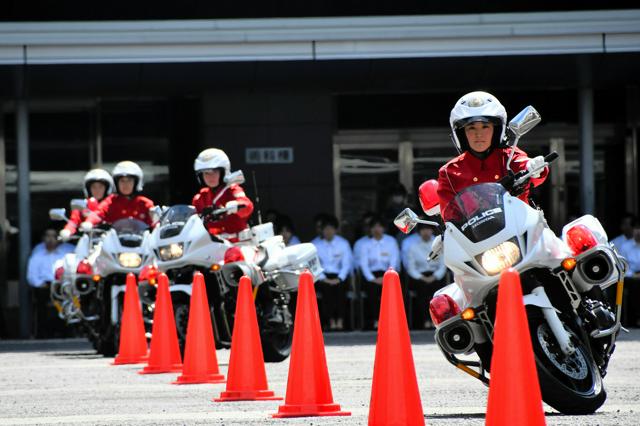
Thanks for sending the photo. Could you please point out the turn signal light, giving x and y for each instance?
(580, 239)
(569, 264)
(468, 314)
(84, 268)
(149, 273)
(58, 273)
(443, 307)
(215, 267)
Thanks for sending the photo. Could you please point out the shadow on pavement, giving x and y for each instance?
(356, 338)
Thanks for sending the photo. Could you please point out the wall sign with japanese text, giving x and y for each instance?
(282, 155)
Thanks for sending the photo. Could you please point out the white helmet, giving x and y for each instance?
(210, 159)
(97, 175)
(129, 168)
(477, 106)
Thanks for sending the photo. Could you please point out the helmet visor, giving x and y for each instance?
(479, 118)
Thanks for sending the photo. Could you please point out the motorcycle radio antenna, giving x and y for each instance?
(255, 189)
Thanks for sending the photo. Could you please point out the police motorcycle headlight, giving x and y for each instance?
(499, 258)
(129, 260)
(171, 252)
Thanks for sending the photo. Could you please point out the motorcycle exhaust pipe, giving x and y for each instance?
(456, 337)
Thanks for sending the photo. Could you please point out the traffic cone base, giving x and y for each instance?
(258, 395)
(198, 378)
(150, 369)
(314, 410)
(121, 360)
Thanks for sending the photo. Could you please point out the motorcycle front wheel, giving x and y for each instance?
(276, 344)
(570, 384)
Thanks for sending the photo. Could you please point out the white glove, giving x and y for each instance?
(86, 226)
(536, 163)
(232, 207)
(436, 248)
(65, 234)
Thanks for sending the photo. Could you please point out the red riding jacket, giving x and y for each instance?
(218, 198)
(467, 169)
(116, 207)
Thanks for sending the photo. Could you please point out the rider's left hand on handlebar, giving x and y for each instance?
(537, 164)
(65, 234)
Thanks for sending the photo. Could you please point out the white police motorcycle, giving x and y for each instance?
(573, 326)
(181, 245)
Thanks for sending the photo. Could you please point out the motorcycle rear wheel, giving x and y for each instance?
(571, 385)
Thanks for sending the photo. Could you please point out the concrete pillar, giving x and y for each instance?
(24, 202)
(585, 120)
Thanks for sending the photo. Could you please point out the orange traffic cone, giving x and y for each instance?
(514, 392)
(246, 377)
(164, 356)
(133, 343)
(395, 398)
(200, 361)
(308, 386)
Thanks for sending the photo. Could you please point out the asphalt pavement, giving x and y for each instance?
(66, 382)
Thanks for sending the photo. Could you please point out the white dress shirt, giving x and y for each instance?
(40, 266)
(418, 260)
(357, 250)
(335, 256)
(405, 245)
(631, 251)
(379, 255)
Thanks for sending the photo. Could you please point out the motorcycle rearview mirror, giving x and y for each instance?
(78, 204)
(235, 178)
(155, 213)
(408, 219)
(58, 214)
(526, 120)
(521, 124)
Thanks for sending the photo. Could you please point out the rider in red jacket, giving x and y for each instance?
(211, 166)
(98, 184)
(478, 123)
(126, 203)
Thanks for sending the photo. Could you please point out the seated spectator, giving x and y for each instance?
(318, 221)
(626, 226)
(40, 274)
(405, 245)
(631, 251)
(426, 276)
(379, 253)
(285, 228)
(336, 259)
(365, 228)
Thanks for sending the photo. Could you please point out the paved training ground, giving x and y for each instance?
(64, 382)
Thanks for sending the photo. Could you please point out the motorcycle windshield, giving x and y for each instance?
(477, 211)
(130, 231)
(177, 214)
(174, 219)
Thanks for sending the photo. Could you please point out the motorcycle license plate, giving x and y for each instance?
(314, 266)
